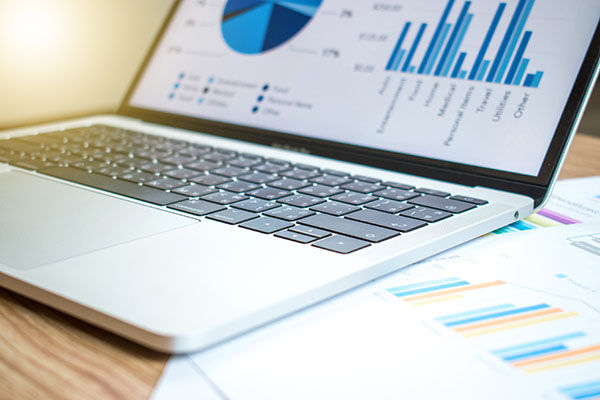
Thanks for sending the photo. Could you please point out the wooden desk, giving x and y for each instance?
(46, 354)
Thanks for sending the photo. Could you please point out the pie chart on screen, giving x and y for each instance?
(255, 26)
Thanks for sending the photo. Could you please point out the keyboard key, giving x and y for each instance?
(217, 156)
(396, 194)
(307, 167)
(165, 183)
(192, 151)
(238, 186)
(353, 198)
(123, 188)
(176, 159)
(277, 161)
(196, 207)
(269, 193)
(330, 180)
(232, 216)
(395, 222)
(335, 172)
(256, 205)
(194, 190)
(258, 177)
(182, 173)
(210, 180)
(112, 171)
(301, 200)
(17, 146)
(33, 165)
(296, 237)
(224, 197)
(334, 208)
(362, 187)
(367, 179)
(138, 177)
(288, 184)
(243, 162)
(320, 191)
(156, 167)
(341, 244)
(432, 192)
(271, 168)
(289, 213)
(441, 203)
(300, 174)
(426, 214)
(203, 165)
(479, 202)
(131, 162)
(266, 224)
(307, 230)
(230, 172)
(397, 185)
(388, 206)
(347, 227)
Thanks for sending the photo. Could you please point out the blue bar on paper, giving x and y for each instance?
(522, 226)
(504, 44)
(432, 288)
(521, 71)
(582, 391)
(421, 284)
(518, 57)
(436, 37)
(397, 62)
(459, 63)
(497, 315)
(535, 82)
(456, 45)
(398, 45)
(438, 48)
(528, 80)
(462, 74)
(414, 47)
(475, 312)
(411, 69)
(487, 40)
(482, 70)
(535, 353)
(536, 343)
(587, 395)
(453, 37)
(513, 42)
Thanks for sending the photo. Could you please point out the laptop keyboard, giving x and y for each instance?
(328, 209)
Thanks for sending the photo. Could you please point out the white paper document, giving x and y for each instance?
(505, 316)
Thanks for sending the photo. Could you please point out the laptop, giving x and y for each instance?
(272, 154)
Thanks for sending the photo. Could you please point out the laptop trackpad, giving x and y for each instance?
(43, 221)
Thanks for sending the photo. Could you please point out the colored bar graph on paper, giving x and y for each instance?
(428, 290)
(542, 219)
(507, 66)
(589, 243)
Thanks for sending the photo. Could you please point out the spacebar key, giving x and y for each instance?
(346, 227)
(123, 188)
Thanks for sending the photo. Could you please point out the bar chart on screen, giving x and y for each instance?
(549, 337)
(506, 63)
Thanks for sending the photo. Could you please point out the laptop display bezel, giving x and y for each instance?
(532, 186)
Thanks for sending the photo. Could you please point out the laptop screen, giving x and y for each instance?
(481, 83)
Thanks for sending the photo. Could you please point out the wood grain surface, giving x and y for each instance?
(45, 354)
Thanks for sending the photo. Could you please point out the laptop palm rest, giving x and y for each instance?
(43, 221)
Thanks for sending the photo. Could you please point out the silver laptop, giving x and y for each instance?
(271, 154)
